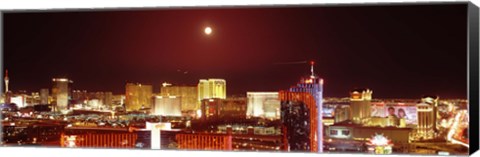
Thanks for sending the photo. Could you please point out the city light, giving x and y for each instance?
(379, 144)
(165, 84)
(60, 80)
(379, 140)
(71, 141)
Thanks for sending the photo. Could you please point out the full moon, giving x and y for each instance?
(208, 30)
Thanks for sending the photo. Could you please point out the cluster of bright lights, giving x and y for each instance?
(61, 80)
(455, 127)
(379, 140)
(71, 141)
(309, 81)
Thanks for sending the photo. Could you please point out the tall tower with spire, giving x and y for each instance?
(6, 81)
(314, 86)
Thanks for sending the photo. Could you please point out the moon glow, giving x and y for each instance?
(208, 30)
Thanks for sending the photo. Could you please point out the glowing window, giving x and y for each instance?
(333, 132)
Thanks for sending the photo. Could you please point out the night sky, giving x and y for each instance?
(397, 51)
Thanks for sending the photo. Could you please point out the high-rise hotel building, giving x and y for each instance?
(314, 86)
(44, 96)
(217, 109)
(426, 114)
(212, 88)
(167, 106)
(187, 94)
(361, 106)
(263, 104)
(60, 93)
(342, 113)
(138, 96)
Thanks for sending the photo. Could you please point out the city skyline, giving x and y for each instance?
(264, 49)
(368, 79)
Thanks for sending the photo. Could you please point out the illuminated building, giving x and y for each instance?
(233, 108)
(8, 97)
(90, 112)
(118, 100)
(248, 142)
(300, 121)
(458, 133)
(263, 104)
(342, 113)
(99, 137)
(32, 99)
(209, 109)
(255, 139)
(99, 140)
(314, 86)
(31, 132)
(224, 108)
(326, 121)
(426, 117)
(212, 88)
(204, 141)
(157, 136)
(104, 98)
(213, 141)
(379, 121)
(94, 103)
(80, 96)
(328, 111)
(266, 131)
(433, 101)
(60, 93)
(138, 96)
(360, 104)
(167, 106)
(108, 99)
(155, 133)
(20, 100)
(44, 96)
(188, 94)
(155, 142)
(379, 144)
(99, 99)
(249, 129)
(347, 135)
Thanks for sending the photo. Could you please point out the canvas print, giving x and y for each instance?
(365, 79)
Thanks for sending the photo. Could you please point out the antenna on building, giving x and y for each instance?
(311, 68)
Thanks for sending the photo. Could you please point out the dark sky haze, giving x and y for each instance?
(398, 51)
